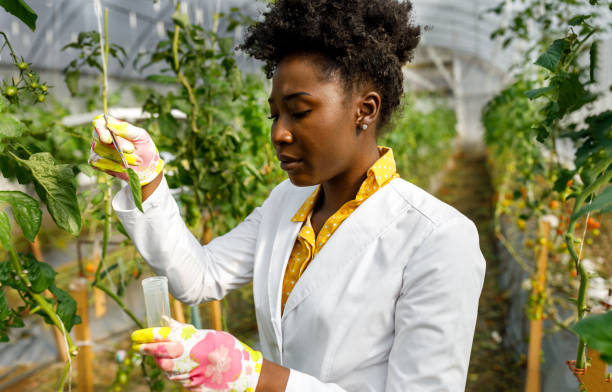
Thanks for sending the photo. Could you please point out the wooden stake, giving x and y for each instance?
(595, 377)
(84, 358)
(535, 325)
(214, 307)
(62, 349)
(177, 310)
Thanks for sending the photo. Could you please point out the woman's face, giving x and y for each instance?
(314, 127)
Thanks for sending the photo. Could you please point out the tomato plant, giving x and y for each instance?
(549, 108)
(32, 280)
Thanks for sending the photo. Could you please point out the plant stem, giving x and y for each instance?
(45, 306)
(62, 380)
(105, 68)
(107, 213)
(569, 240)
(10, 47)
(119, 302)
(181, 78)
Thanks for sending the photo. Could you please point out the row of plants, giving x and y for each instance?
(550, 147)
(221, 162)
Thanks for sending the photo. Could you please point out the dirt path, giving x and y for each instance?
(467, 187)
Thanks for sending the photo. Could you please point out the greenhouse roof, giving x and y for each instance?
(462, 27)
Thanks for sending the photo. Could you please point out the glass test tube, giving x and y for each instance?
(157, 303)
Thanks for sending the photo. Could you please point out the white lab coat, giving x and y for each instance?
(388, 304)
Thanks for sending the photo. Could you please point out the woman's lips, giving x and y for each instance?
(289, 163)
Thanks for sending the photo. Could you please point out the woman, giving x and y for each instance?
(361, 280)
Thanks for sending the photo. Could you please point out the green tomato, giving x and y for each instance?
(123, 378)
(22, 65)
(43, 87)
(41, 98)
(10, 91)
(33, 84)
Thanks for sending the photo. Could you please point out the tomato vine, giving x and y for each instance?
(553, 105)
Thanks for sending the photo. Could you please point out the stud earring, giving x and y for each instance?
(364, 126)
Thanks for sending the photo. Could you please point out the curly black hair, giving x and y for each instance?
(365, 41)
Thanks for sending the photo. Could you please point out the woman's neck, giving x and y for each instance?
(345, 186)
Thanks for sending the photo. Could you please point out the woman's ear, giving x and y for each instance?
(368, 109)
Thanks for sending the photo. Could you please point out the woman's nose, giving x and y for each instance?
(281, 133)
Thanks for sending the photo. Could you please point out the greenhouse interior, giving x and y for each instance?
(158, 139)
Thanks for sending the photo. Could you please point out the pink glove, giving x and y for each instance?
(201, 360)
(138, 148)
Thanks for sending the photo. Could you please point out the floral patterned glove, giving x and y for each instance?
(138, 148)
(201, 360)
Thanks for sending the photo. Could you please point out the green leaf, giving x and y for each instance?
(55, 186)
(71, 78)
(86, 169)
(26, 211)
(20, 9)
(538, 92)
(226, 44)
(40, 274)
(596, 331)
(602, 202)
(162, 79)
(180, 19)
(135, 187)
(578, 19)
(561, 183)
(10, 127)
(5, 231)
(550, 59)
(66, 307)
(4, 309)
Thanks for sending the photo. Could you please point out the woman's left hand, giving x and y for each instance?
(201, 360)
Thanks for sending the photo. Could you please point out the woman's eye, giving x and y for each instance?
(300, 115)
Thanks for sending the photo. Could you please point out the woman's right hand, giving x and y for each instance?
(137, 146)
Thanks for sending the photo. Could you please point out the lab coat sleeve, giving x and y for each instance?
(302, 382)
(195, 273)
(436, 312)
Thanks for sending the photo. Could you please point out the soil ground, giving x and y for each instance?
(493, 367)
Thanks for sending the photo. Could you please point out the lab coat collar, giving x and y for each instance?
(353, 236)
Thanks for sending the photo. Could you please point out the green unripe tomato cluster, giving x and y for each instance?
(22, 65)
(10, 91)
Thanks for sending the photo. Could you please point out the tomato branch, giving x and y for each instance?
(46, 307)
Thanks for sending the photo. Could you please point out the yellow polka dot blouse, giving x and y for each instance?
(306, 244)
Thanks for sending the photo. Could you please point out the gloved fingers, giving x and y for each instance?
(165, 364)
(104, 164)
(109, 152)
(180, 377)
(151, 335)
(118, 127)
(125, 145)
(160, 350)
(100, 128)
